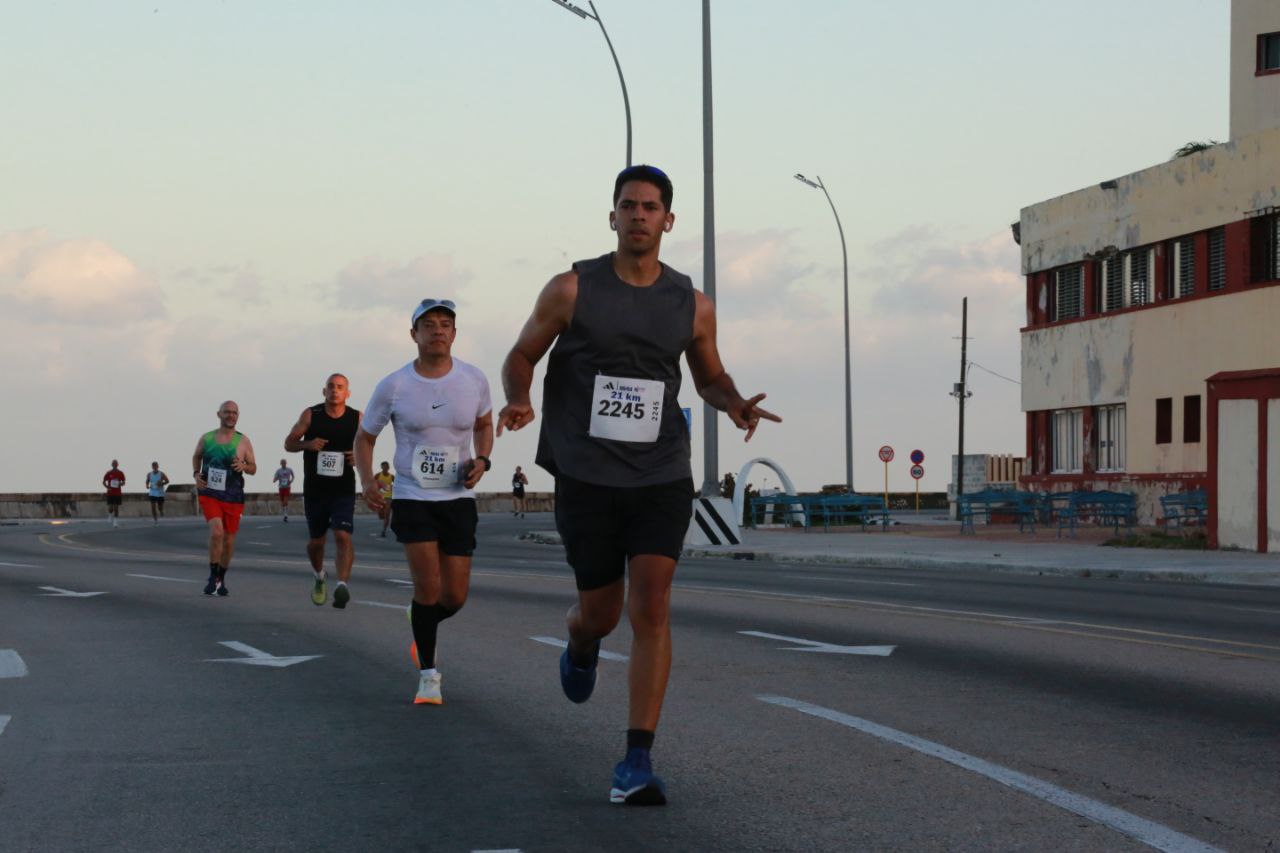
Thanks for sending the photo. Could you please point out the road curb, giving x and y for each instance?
(881, 562)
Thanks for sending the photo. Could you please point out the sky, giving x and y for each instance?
(212, 200)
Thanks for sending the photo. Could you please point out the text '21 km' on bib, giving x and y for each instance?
(626, 409)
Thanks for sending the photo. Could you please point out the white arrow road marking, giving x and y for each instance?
(160, 578)
(11, 664)
(20, 565)
(4, 721)
(828, 648)
(56, 592)
(1148, 832)
(563, 644)
(257, 657)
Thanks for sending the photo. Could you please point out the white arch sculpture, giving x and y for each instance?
(739, 488)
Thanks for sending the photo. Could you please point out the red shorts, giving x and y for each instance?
(284, 493)
(229, 513)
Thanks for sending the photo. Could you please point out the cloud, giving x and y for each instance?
(240, 284)
(48, 280)
(923, 277)
(374, 281)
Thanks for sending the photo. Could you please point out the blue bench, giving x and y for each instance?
(1185, 509)
(810, 510)
(849, 507)
(1025, 507)
(1107, 509)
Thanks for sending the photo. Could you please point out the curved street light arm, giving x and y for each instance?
(626, 101)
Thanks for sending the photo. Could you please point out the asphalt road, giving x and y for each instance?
(811, 707)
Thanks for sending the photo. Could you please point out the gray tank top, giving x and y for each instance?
(622, 331)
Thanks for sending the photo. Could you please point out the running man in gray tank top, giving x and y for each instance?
(613, 436)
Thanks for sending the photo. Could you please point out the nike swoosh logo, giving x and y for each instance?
(438, 405)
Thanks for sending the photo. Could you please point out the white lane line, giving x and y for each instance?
(20, 565)
(161, 578)
(1148, 832)
(4, 721)
(400, 607)
(561, 644)
(851, 580)
(827, 648)
(500, 850)
(11, 664)
(399, 581)
(268, 544)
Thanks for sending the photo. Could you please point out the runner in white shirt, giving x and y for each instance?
(284, 481)
(440, 409)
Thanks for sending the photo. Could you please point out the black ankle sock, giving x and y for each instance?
(213, 570)
(639, 738)
(587, 659)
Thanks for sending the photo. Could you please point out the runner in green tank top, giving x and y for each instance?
(221, 460)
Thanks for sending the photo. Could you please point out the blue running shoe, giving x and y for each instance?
(634, 782)
(576, 683)
(212, 586)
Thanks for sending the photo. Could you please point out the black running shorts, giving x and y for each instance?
(604, 526)
(450, 523)
(324, 512)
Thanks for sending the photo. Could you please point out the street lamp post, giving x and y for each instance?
(848, 394)
(595, 16)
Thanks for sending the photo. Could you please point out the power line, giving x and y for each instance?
(993, 373)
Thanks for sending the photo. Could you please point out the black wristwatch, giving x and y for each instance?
(487, 464)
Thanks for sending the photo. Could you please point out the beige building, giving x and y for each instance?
(1151, 355)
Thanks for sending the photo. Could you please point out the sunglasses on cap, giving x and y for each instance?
(430, 305)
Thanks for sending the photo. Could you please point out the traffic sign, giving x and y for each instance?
(886, 454)
(917, 471)
(917, 457)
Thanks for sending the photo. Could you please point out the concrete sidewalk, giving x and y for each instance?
(934, 543)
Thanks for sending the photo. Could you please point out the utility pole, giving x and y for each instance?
(710, 442)
(960, 392)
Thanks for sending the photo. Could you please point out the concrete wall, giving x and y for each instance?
(181, 503)
(1170, 200)
(1255, 101)
(1135, 357)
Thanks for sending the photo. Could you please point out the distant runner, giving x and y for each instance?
(284, 481)
(113, 482)
(221, 459)
(157, 481)
(385, 480)
(439, 407)
(325, 433)
(518, 481)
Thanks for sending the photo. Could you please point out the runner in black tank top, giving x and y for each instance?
(613, 437)
(326, 434)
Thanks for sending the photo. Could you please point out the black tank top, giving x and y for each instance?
(622, 331)
(340, 433)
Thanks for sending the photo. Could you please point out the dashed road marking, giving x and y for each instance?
(1148, 832)
(4, 721)
(162, 578)
(827, 648)
(11, 664)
